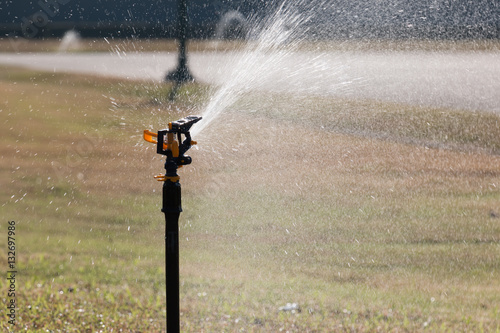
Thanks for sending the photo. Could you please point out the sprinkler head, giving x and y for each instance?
(169, 143)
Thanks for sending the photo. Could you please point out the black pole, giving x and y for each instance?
(181, 74)
(172, 209)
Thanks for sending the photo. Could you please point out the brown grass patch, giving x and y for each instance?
(365, 233)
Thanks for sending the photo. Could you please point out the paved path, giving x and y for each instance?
(462, 80)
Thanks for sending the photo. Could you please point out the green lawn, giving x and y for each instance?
(367, 221)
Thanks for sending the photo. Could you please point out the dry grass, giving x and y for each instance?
(114, 45)
(169, 45)
(365, 232)
(87, 45)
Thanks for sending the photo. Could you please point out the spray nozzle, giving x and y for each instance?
(183, 125)
(169, 142)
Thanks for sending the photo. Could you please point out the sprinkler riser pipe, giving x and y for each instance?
(172, 271)
(172, 208)
(172, 201)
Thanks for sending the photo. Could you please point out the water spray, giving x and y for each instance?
(169, 143)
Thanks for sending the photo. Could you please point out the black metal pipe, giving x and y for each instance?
(182, 32)
(181, 74)
(172, 209)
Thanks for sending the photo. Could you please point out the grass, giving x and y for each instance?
(169, 45)
(367, 221)
(119, 45)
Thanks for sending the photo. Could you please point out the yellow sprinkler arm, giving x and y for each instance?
(148, 136)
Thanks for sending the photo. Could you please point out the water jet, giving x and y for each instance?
(70, 41)
(232, 25)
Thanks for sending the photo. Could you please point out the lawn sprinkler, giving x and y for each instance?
(169, 143)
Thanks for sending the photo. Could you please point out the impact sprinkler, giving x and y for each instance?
(169, 143)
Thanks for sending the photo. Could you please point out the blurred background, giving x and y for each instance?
(457, 19)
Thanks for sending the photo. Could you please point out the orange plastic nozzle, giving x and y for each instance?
(148, 136)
